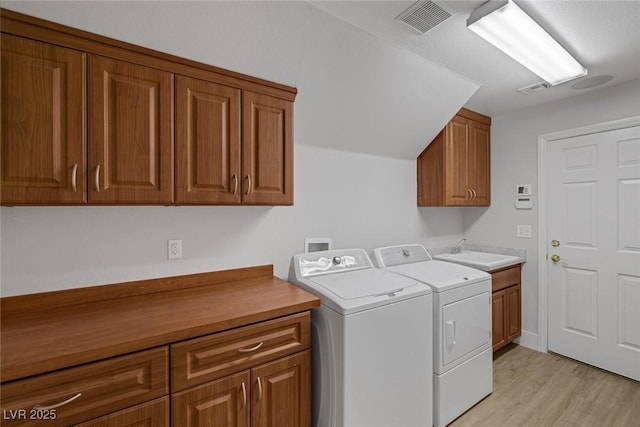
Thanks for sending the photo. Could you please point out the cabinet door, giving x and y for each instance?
(456, 167)
(154, 413)
(479, 164)
(513, 304)
(221, 403)
(130, 133)
(207, 142)
(499, 319)
(43, 138)
(267, 150)
(281, 393)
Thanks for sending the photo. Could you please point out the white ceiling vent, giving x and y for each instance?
(537, 87)
(424, 15)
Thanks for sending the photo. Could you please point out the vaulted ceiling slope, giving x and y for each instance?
(356, 92)
(603, 35)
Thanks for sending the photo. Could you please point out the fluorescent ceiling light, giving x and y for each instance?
(507, 27)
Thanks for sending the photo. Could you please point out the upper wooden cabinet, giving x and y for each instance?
(43, 136)
(214, 164)
(454, 169)
(130, 133)
(86, 119)
(267, 150)
(207, 142)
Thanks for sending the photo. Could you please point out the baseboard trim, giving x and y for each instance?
(528, 339)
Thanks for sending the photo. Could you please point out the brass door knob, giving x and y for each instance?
(555, 258)
(555, 243)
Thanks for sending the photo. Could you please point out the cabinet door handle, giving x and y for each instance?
(469, 194)
(74, 176)
(248, 185)
(250, 349)
(259, 389)
(98, 178)
(57, 405)
(244, 395)
(475, 195)
(235, 183)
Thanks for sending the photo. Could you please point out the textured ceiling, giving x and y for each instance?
(603, 35)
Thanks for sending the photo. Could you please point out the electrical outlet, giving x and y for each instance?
(523, 231)
(174, 249)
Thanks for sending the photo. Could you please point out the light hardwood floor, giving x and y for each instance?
(536, 389)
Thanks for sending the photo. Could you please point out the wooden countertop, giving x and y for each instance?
(123, 318)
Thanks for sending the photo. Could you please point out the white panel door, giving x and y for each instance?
(594, 214)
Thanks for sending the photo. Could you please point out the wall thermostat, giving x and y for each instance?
(524, 202)
(524, 198)
(523, 190)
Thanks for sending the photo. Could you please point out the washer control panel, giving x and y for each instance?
(327, 262)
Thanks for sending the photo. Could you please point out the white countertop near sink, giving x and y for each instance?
(485, 258)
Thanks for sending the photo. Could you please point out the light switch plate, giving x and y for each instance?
(523, 231)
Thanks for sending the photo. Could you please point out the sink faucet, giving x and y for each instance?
(456, 249)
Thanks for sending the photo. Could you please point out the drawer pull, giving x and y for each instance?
(250, 349)
(57, 405)
(244, 395)
(74, 176)
(97, 178)
(248, 185)
(235, 184)
(259, 389)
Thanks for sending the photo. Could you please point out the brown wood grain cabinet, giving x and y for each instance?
(130, 133)
(233, 146)
(43, 123)
(506, 305)
(282, 392)
(238, 353)
(257, 376)
(80, 393)
(207, 142)
(267, 150)
(152, 414)
(454, 169)
(274, 394)
(87, 119)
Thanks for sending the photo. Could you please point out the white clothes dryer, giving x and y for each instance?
(463, 357)
(371, 342)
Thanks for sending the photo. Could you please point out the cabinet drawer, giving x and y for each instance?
(154, 413)
(502, 279)
(204, 359)
(91, 390)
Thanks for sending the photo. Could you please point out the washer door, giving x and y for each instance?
(466, 326)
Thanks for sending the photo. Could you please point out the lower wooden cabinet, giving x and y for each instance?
(275, 394)
(282, 393)
(220, 403)
(506, 305)
(253, 376)
(154, 413)
(77, 394)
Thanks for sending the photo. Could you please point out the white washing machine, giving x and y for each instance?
(371, 342)
(463, 356)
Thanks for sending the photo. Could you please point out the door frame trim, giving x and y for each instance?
(543, 142)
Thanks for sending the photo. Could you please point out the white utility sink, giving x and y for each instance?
(482, 260)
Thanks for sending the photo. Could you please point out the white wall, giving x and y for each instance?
(356, 93)
(358, 200)
(514, 145)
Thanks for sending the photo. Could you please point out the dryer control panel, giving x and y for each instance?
(399, 255)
